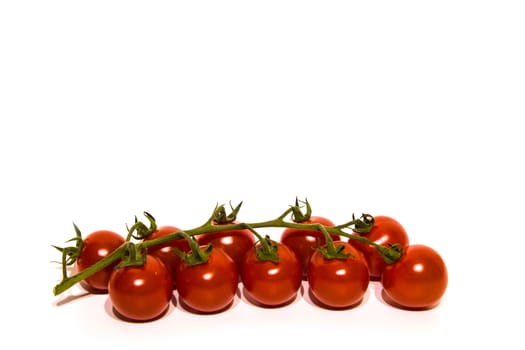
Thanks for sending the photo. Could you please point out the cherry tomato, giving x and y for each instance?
(208, 287)
(304, 242)
(165, 251)
(385, 231)
(268, 283)
(338, 283)
(417, 280)
(95, 247)
(234, 242)
(141, 293)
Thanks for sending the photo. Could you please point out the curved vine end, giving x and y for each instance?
(297, 214)
(221, 217)
(140, 230)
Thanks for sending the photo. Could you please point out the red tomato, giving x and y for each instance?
(141, 293)
(95, 247)
(417, 280)
(304, 242)
(269, 283)
(234, 242)
(338, 283)
(165, 251)
(385, 231)
(208, 287)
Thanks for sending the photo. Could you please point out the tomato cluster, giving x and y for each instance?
(207, 269)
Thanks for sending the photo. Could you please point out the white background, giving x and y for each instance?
(404, 108)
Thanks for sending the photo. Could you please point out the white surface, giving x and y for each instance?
(402, 108)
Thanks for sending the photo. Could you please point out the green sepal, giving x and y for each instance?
(297, 214)
(197, 255)
(220, 216)
(364, 224)
(267, 250)
(334, 251)
(132, 257)
(70, 254)
(390, 253)
(140, 230)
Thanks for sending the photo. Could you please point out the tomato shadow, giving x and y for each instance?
(110, 310)
(80, 292)
(248, 299)
(69, 298)
(384, 298)
(310, 298)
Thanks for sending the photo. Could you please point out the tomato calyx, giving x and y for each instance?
(132, 256)
(265, 247)
(362, 225)
(330, 249)
(297, 214)
(197, 255)
(139, 230)
(70, 254)
(220, 217)
(266, 250)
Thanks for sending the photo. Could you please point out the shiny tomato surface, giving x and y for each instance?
(141, 293)
(208, 287)
(341, 282)
(418, 280)
(268, 283)
(95, 247)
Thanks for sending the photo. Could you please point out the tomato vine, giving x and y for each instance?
(133, 253)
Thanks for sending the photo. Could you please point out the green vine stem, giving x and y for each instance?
(390, 254)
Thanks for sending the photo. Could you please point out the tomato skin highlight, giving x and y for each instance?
(418, 280)
(95, 247)
(165, 251)
(209, 287)
(268, 283)
(235, 243)
(338, 283)
(304, 242)
(385, 231)
(141, 293)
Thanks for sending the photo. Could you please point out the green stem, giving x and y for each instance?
(99, 265)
